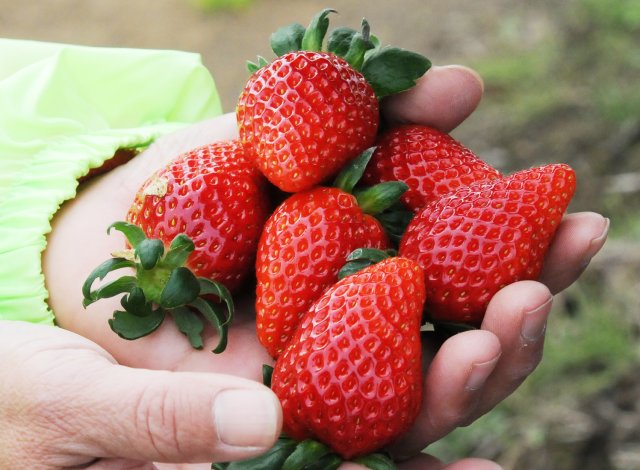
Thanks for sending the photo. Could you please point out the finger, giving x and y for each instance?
(442, 98)
(120, 464)
(82, 404)
(578, 239)
(517, 316)
(473, 464)
(173, 416)
(452, 386)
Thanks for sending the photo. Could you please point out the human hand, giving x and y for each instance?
(469, 374)
(67, 404)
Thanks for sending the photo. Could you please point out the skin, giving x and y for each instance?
(114, 404)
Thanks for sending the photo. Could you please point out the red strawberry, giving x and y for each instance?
(309, 112)
(215, 196)
(351, 376)
(485, 236)
(429, 161)
(305, 115)
(304, 244)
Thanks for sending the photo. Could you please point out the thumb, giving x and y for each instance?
(67, 394)
(176, 416)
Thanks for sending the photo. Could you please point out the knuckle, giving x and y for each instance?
(156, 419)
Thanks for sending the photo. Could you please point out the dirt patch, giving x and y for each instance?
(446, 31)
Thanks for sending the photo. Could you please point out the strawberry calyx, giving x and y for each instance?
(372, 200)
(161, 286)
(361, 258)
(381, 200)
(389, 70)
(289, 454)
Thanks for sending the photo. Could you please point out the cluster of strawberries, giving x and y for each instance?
(414, 226)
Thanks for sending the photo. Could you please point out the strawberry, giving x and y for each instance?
(215, 196)
(304, 244)
(206, 209)
(429, 161)
(351, 376)
(484, 236)
(309, 112)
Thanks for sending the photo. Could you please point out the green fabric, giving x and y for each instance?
(63, 110)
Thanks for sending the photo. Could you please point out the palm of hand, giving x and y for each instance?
(83, 223)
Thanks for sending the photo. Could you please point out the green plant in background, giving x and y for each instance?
(213, 5)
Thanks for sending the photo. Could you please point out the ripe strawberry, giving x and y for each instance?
(215, 196)
(429, 161)
(303, 246)
(351, 376)
(309, 112)
(485, 236)
(306, 241)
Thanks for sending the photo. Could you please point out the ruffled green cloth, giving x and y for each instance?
(64, 110)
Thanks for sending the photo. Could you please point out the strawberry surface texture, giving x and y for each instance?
(304, 116)
(429, 161)
(304, 244)
(485, 236)
(351, 376)
(215, 196)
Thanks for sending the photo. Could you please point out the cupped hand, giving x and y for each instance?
(467, 376)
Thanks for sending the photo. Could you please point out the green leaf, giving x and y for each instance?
(181, 247)
(395, 220)
(209, 287)
(129, 326)
(376, 462)
(357, 50)
(314, 34)
(181, 288)
(100, 272)
(380, 197)
(252, 67)
(189, 324)
(287, 39)
(328, 462)
(360, 44)
(340, 40)
(353, 267)
(352, 173)
(361, 258)
(372, 254)
(306, 453)
(136, 303)
(272, 459)
(267, 373)
(119, 286)
(133, 233)
(391, 70)
(149, 251)
(216, 318)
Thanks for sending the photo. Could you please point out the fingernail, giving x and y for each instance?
(468, 70)
(596, 243)
(534, 323)
(480, 373)
(246, 418)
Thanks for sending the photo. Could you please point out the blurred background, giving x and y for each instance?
(562, 84)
